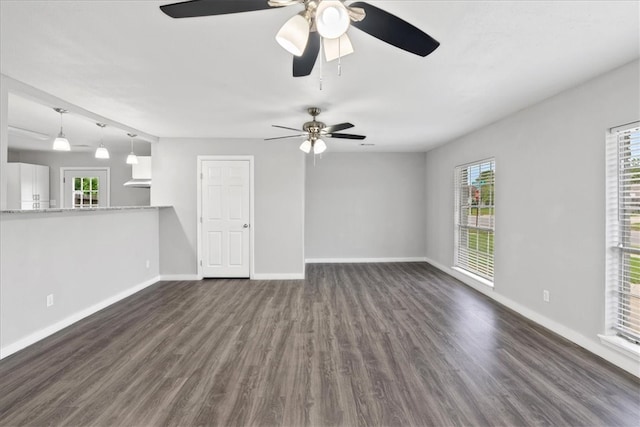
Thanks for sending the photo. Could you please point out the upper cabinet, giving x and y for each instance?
(27, 186)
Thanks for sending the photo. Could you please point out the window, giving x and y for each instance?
(475, 218)
(623, 212)
(85, 192)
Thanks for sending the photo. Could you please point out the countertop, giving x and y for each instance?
(71, 210)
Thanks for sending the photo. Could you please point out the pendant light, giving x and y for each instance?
(132, 159)
(61, 143)
(101, 151)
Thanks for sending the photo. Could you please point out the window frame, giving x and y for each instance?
(617, 269)
(458, 262)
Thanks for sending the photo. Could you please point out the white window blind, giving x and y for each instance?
(475, 217)
(623, 190)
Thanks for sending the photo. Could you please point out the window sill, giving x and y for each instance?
(475, 277)
(621, 345)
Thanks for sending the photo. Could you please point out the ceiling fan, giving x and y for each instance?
(325, 21)
(314, 130)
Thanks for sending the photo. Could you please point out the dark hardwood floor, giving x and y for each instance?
(353, 345)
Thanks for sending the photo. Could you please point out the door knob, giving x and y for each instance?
(245, 226)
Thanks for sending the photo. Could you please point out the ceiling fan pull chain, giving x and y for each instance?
(339, 59)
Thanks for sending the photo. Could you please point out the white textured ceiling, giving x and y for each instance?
(225, 76)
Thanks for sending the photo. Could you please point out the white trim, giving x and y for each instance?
(606, 352)
(474, 276)
(179, 277)
(278, 276)
(107, 169)
(362, 260)
(303, 252)
(620, 344)
(199, 161)
(70, 320)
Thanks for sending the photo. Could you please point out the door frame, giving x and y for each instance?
(199, 160)
(63, 169)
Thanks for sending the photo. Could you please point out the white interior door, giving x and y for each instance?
(225, 218)
(85, 188)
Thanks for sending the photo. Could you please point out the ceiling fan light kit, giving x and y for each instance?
(332, 19)
(325, 21)
(337, 48)
(305, 147)
(319, 146)
(315, 131)
(294, 34)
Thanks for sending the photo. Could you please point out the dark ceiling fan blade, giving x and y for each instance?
(284, 127)
(193, 8)
(338, 127)
(393, 30)
(303, 65)
(345, 136)
(283, 137)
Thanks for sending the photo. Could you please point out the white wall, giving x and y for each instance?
(4, 139)
(120, 172)
(279, 203)
(550, 203)
(82, 258)
(365, 206)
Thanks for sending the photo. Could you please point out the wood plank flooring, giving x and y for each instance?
(352, 345)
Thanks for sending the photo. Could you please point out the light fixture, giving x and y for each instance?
(332, 19)
(337, 48)
(319, 146)
(294, 34)
(61, 143)
(132, 159)
(101, 151)
(306, 146)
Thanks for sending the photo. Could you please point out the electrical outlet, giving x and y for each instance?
(148, 264)
(49, 300)
(545, 295)
(53, 203)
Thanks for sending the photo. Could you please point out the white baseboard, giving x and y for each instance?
(256, 276)
(362, 260)
(68, 321)
(278, 276)
(179, 277)
(615, 357)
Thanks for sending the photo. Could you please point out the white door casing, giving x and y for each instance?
(225, 218)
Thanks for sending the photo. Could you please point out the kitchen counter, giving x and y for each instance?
(71, 210)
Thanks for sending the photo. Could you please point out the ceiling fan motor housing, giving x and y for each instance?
(313, 127)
